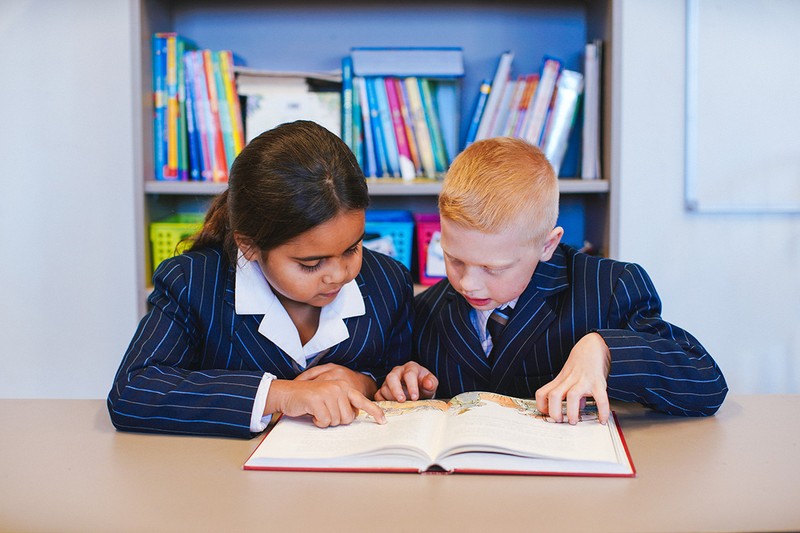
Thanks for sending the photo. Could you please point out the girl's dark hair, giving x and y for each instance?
(283, 183)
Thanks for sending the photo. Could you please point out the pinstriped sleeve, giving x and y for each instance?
(654, 362)
(159, 387)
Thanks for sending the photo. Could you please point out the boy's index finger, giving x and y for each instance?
(374, 410)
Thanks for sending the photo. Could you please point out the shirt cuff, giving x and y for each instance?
(259, 421)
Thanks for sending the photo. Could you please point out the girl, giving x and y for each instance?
(276, 308)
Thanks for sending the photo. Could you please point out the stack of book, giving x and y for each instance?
(400, 109)
(197, 123)
(539, 107)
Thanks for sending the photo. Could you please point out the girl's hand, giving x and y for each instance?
(409, 381)
(330, 402)
(584, 374)
(328, 372)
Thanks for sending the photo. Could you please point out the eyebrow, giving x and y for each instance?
(318, 257)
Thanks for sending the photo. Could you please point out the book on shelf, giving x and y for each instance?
(474, 432)
(275, 97)
(499, 81)
(413, 98)
(477, 111)
(539, 107)
(562, 117)
(590, 156)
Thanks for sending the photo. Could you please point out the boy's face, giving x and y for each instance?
(490, 269)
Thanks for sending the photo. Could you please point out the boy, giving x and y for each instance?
(576, 326)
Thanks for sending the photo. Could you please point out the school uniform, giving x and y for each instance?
(216, 336)
(652, 361)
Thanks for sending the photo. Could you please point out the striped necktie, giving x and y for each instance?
(495, 325)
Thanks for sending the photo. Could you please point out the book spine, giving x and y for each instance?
(499, 81)
(192, 140)
(183, 141)
(225, 122)
(171, 168)
(232, 96)
(477, 113)
(503, 109)
(432, 118)
(347, 102)
(358, 128)
(387, 129)
(447, 98)
(531, 82)
(590, 157)
(381, 161)
(159, 105)
(541, 100)
(507, 130)
(408, 124)
(218, 149)
(369, 142)
(562, 118)
(421, 132)
(202, 114)
(407, 170)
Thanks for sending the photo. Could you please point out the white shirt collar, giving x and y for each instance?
(254, 296)
(479, 318)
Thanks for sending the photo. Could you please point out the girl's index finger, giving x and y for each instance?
(360, 401)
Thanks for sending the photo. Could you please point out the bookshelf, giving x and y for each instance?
(313, 35)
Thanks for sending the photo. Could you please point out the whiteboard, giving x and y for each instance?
(743, 106)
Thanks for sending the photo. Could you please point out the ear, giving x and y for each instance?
(550, 243)
(245, 244)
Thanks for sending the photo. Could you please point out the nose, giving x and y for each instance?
(337, 273)
(470, 280)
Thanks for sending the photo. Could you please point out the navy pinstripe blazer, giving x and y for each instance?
(652, 362)
(194, 365)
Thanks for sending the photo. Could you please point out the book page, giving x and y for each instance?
(411, 428)
(481, 421)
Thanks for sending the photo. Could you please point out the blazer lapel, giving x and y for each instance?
(532, 315)
(255, 350)
(459, 337)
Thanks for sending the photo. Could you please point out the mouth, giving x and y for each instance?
(478, 302)
(331, 294)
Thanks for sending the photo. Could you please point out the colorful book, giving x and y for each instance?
(217, 147)
(477, 112)
(192, 134)
(406, 164)
(562, 117)
(347, 102)
(408, 123)
(432, 62)
(225, 115)
(386, 126)
(159, 105)
(202, 114)
(358, 131)
(541, 101)
(434, 127)
(421, 131)
(371, 163)
(503, 109)
(448, 103)
(531, 82)
(513, 105)
(232, 96)
(501, 77)
(171, 167)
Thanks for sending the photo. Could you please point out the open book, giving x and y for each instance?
(475, 432)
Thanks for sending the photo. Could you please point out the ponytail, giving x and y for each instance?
(216, 229)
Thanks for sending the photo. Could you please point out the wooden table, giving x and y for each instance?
(737, 471)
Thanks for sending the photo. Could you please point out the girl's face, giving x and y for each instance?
(312, 268)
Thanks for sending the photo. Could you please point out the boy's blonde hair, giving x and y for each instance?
(498, 182)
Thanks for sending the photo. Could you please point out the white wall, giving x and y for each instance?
(67, 200)
(732, 280)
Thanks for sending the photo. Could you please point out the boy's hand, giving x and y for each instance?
(410, 381)
(584, 374)
(329, 402)
(330, 371)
